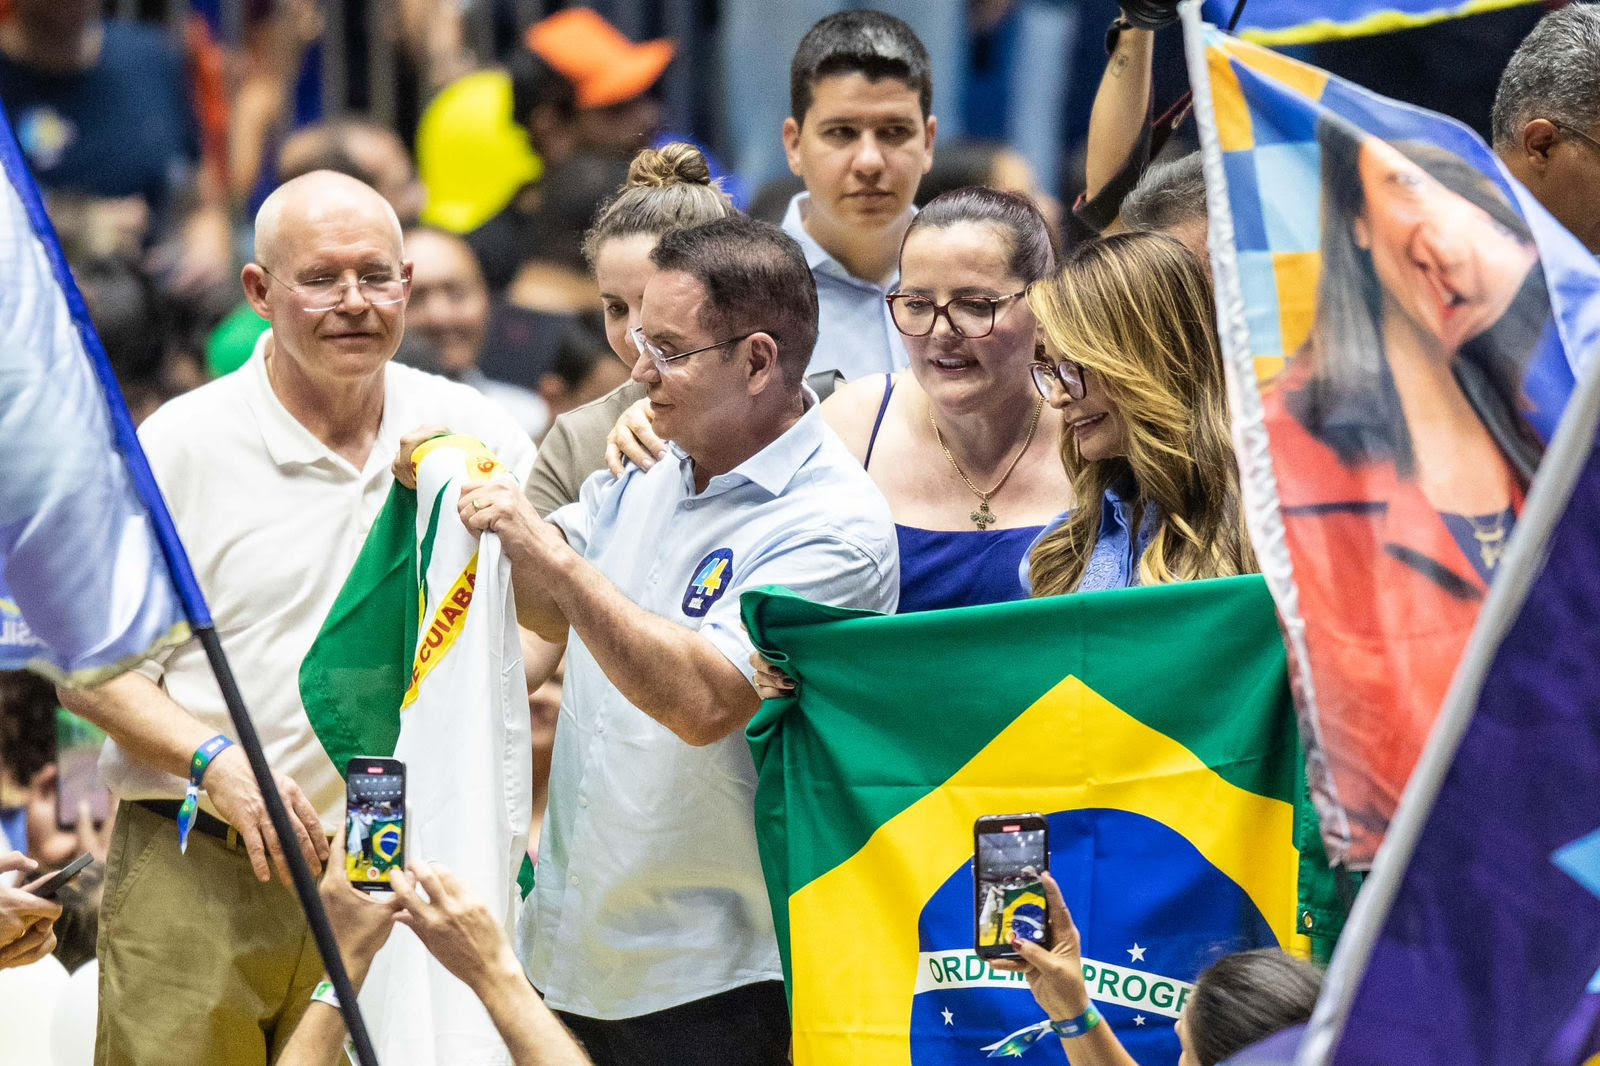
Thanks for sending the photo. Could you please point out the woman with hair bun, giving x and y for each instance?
(667, 188)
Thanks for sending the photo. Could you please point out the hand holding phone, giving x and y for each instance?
(374, 821)
(1010, 852)
(27, 923)
(46, 887)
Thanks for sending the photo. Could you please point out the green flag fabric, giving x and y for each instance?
(359, 666)
(1153, 728)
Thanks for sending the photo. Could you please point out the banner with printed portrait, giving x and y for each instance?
(1403, 324)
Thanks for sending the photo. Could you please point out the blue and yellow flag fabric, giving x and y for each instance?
(1283, 22)
(1152, 727)
(92, 576)
(1402, 324)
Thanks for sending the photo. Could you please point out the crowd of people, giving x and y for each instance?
(878, 398)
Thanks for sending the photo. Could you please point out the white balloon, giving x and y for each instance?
(28, 996)
(72, 1028)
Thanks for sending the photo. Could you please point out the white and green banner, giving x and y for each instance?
(420, 658)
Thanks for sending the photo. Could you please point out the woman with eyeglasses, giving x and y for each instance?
(1132, 365)
(959, 443)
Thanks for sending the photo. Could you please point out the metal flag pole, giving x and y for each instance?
(305, 885)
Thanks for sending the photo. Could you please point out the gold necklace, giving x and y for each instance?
(983, 517)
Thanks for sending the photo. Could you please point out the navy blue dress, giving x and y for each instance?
(955, 568)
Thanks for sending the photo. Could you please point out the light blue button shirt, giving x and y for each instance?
(1114, 562)
(649, 891)
(855, 334)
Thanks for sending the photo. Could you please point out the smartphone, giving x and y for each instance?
(47, 887)
(78, 747)
(1009, 853)
(374, 821)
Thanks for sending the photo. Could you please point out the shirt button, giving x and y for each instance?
(599, 729)
(583, 801)
(688, 504)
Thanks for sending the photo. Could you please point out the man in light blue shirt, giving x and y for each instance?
(649, 929)
(861, 136)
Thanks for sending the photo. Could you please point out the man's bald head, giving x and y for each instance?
(324, 200)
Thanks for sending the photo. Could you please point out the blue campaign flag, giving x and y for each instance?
(1283, 22)
(92, 575)
(1476, 940)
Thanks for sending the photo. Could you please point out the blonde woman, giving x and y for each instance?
(1131, 363)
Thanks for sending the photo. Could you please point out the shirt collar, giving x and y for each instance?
(773, 467)
(288, 442)
(817, 257)
(1117, 512)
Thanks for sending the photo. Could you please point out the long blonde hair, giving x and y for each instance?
(1136, 309)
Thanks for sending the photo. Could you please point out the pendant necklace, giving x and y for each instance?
(983, 517)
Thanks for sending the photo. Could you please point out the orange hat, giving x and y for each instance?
(606, 67)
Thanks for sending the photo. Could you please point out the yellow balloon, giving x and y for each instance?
(472, 155)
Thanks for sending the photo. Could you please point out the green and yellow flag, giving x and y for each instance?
(1153, 727)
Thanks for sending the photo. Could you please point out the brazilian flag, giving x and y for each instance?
(1153, 727)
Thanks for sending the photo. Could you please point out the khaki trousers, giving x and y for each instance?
(200, 963)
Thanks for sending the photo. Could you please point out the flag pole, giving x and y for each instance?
(305, 885)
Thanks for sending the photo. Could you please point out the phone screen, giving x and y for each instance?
(1010, 896)
(78, 747)
(375, 811)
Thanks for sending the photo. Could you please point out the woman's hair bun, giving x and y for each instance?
(672, 164)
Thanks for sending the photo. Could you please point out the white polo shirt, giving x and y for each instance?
(273, 521)
(855, 333)
(649, 891)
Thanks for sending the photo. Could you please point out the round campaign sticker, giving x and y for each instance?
(711, 579)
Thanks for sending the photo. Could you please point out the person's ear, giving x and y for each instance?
(932, 131)
(762, 368)
(791, 146)
(1539, 136)
(1361, 233)
(254, 280)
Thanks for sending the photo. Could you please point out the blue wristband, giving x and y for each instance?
(1071, 1027)
(203, 757)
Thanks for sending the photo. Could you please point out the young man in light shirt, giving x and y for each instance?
(860, 136)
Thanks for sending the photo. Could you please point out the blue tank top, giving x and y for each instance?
(942, 568)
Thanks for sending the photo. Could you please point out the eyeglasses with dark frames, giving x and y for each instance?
(971, 317)
(1066, 375)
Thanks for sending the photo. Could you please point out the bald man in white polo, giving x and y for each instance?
(274, 475)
